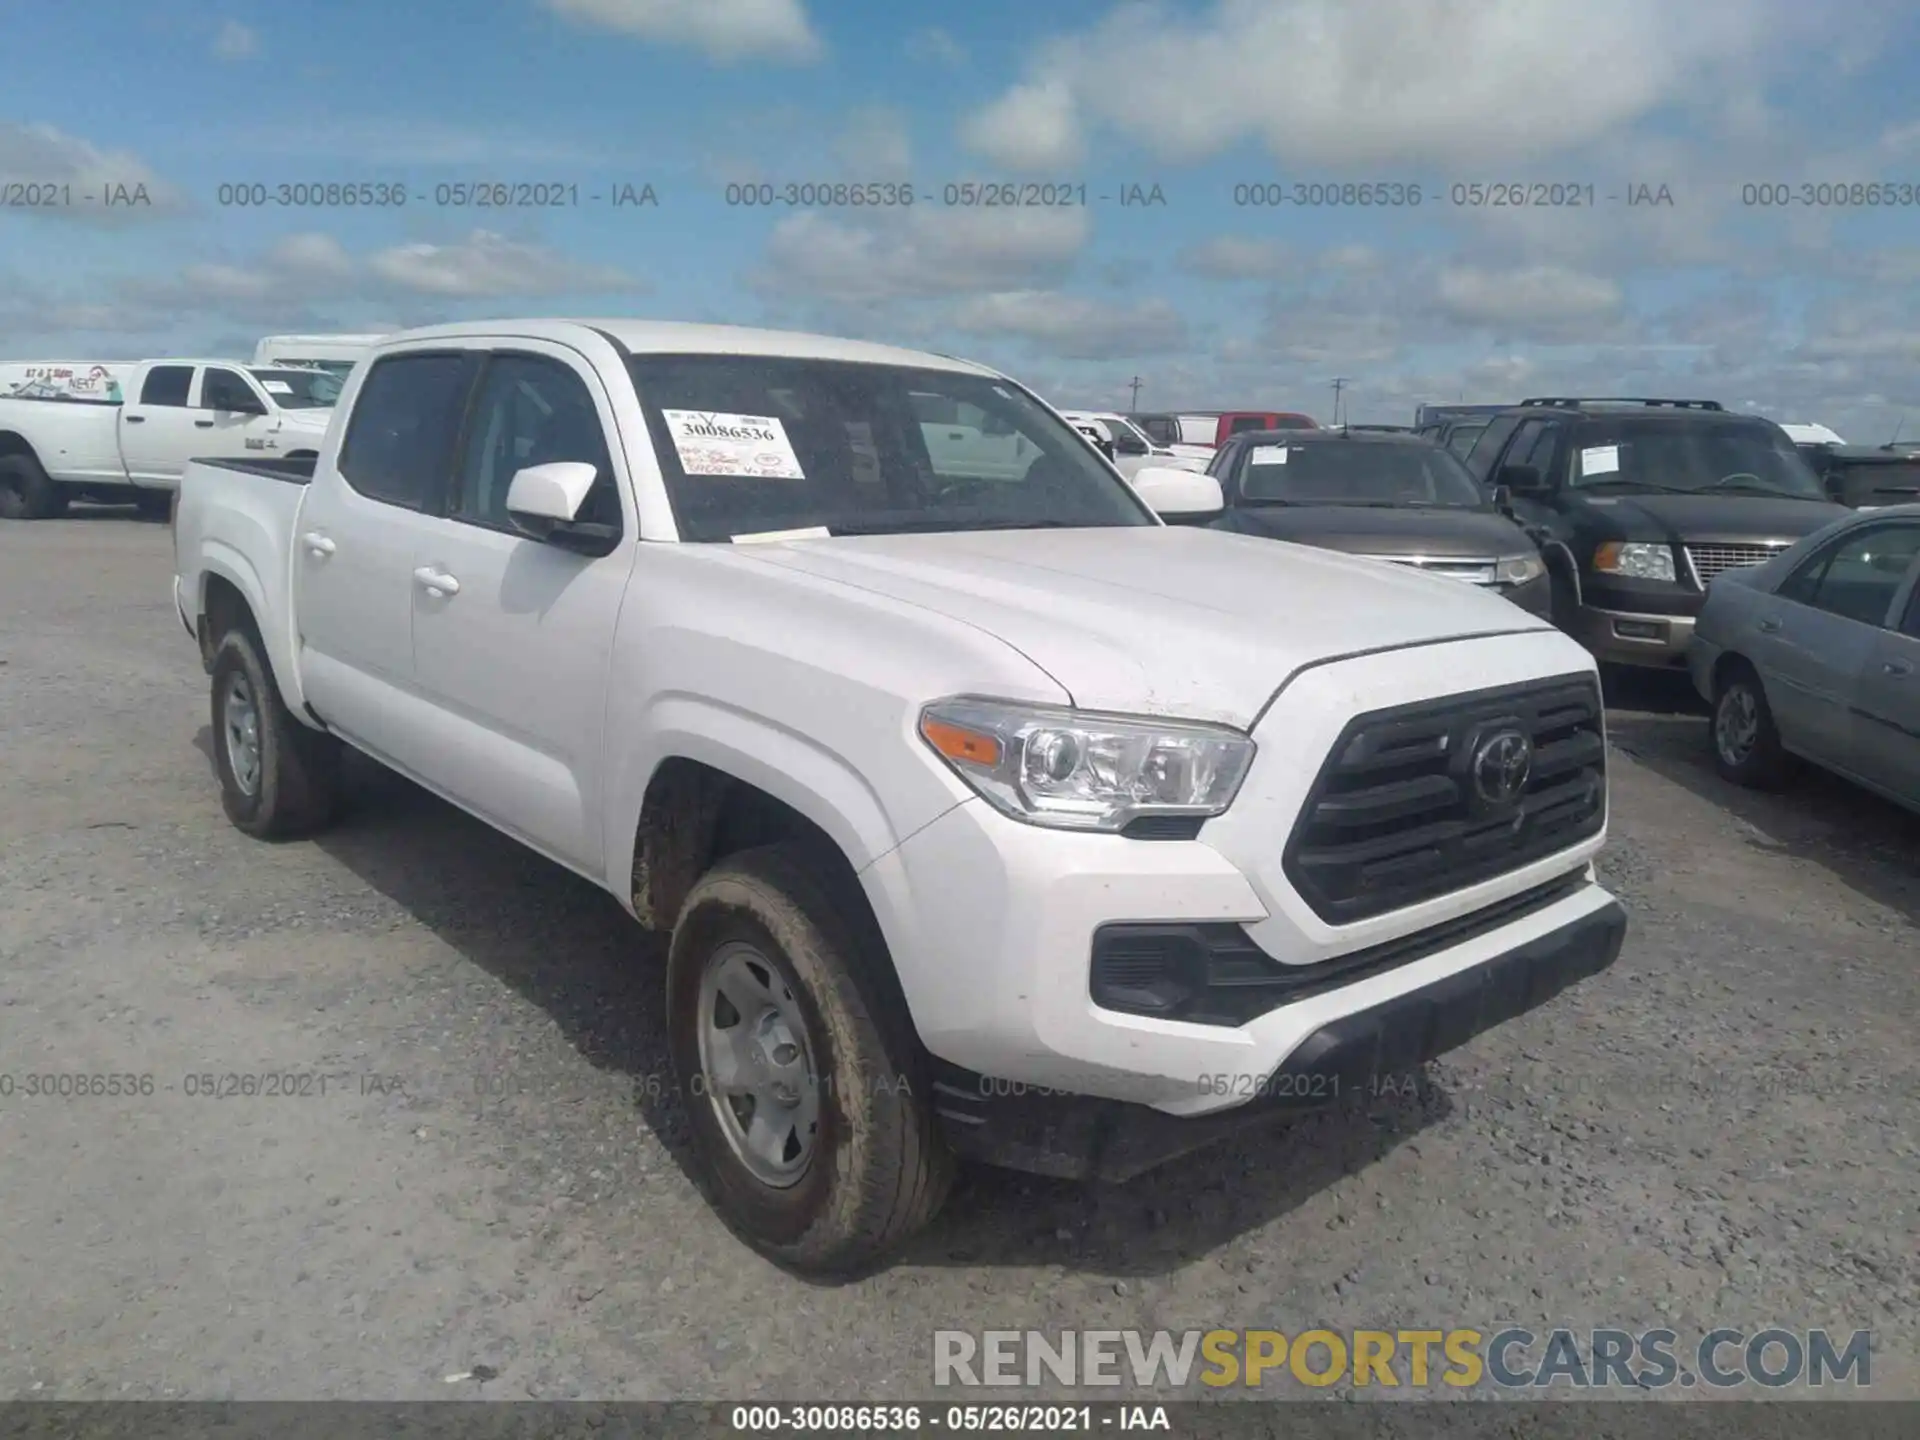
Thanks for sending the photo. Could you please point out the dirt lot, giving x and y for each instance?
(1718, 1131)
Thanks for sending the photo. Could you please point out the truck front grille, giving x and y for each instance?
(1415, 802)
(1709, 560)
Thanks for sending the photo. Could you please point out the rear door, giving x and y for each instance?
(157, 429)
(1887, 704)
(511, 635)
(1817, 635)
(366, 513)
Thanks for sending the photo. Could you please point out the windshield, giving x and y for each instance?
(1339, 472)
(1693, 456)
(301, 389)
(758, 443)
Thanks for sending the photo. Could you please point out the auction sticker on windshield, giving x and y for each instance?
(1600, 460)
(715, 443)
(276, 387)
(1268, 455)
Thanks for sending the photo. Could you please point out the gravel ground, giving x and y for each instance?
(1716, 1131)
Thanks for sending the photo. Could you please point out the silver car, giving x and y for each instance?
(1815, 655)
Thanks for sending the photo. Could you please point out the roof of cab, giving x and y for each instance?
(674, 337)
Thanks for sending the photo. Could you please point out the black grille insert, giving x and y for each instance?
(1414, 802)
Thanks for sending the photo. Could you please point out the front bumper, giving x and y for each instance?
(1363, 1052)
(1621, 637)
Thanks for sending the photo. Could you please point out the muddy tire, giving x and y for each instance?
(812, 1121)
(26, 493)
(278, 778)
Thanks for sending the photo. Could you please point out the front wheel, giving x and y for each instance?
(278, 778)
(1746, 741)
(811, 1115)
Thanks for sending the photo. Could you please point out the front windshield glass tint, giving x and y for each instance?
(301, 389)
(1339, 472)
(756, 443)
(1695, 456)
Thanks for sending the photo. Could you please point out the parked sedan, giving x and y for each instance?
(1396, 498)
(1815, 655)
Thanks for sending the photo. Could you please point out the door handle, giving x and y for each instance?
(134, 419)
(1898, 667)
(436, 583)
(317, 544)
(203, 424)
(1769, 626)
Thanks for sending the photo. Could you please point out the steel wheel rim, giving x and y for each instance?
(757, 1066)
(1736, 724)
(240, 719)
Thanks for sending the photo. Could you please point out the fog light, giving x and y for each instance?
(1640, 629)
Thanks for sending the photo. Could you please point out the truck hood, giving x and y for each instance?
(1158, 620)
(312, 420)
(1439, 534)
(1679, 519)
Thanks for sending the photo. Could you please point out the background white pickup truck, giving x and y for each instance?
(989, 816)
(56, 449)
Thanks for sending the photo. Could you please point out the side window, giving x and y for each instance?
(1911, 626)
(1486, 449)
(399, 438)
(1526, 441)
(1243, 423)
(531, 411)
(167, 385)
(1864, 572)
(224, 390)
(1545, 446)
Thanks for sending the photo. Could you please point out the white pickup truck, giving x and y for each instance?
(989, 816)
(56, 448)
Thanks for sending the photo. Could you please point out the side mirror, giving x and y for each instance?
(1503, 499)
(1179, 494)
(242, 404)
(543, 500)
(1105, 447)
(1519, 479)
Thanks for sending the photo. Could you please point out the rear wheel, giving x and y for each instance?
(278, 778)
(1746, 742)
(26, 492)
(811, 1118)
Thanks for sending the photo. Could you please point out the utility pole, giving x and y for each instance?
(1339, 384)
(1134, 385)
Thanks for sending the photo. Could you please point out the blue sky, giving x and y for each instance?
(1808, 310)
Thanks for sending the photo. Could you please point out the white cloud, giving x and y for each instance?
(927, 252)
(1034, 126)
(875, 145)
(488, 265)
(725, 30)
(1389, 84)
(91, 183)
(936, 46)
(235, 41)
(1540, 294)
(1074, 327)
(1235, 257)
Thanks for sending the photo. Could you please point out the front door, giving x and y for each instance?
(512, 636)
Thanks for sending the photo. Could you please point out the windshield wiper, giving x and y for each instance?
(1749, 489)
(1636, 485)
(928, 524)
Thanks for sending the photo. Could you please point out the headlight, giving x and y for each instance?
(1071, 770)
(1519, 569)
(1634, 560)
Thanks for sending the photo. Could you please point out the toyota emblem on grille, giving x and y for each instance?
(1501, 766)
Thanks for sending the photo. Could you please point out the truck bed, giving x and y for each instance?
(291, 472)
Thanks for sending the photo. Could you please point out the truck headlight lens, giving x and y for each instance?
(1519, 569)
(1634, 560)
(1073, 770)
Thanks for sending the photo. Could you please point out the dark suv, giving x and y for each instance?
(1638, 504)
(1866, 477)
(1384, 496)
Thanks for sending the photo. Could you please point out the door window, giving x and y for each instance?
(531, 411)
(224, 390)
(1486, 448)
(1858, 578)
(402, 429)
(167, 385)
